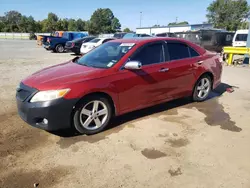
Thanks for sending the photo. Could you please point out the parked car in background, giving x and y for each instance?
(240, 38)
(75, 45)
(165, 35)
(57, 44)
(133, 35)
(42, 38)
(118, 77)
(210, 39)
(119, 35)
(86, 47)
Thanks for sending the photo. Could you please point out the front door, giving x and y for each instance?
(140, 88)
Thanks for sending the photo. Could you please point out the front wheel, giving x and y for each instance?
(92, 115)
(202, 88)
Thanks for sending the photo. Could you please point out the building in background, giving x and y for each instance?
(172, 29)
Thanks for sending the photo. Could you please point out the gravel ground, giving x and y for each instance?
(178, 144)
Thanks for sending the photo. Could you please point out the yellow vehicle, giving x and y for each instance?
(42, 38)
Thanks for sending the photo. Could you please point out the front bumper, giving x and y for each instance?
(50, 115)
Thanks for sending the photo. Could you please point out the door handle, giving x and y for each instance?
(200, 62)
(164, 70)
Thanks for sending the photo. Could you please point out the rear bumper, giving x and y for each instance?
(47, 47)
(84, 50)
(50, 115)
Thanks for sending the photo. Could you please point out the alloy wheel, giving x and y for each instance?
(93, 115)
(203, 88)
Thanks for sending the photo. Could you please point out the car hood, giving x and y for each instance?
(57, 76)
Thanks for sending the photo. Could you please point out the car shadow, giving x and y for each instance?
(78, 55)
(118, 121)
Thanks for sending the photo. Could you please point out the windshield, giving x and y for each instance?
(106, 55)
(95, 40)
(129, 35)
(241, 37)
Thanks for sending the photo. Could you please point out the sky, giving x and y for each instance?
(127, 11)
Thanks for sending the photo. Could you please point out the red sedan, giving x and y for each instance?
(118, 77)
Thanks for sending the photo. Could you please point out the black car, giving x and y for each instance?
(75, 45)
(119, 35)
(165, 35)
(210, 39)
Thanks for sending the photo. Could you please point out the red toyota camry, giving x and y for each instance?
(117, 77)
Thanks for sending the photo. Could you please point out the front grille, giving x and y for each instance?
(24, 92)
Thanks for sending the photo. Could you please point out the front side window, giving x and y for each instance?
(178, 51)
(106, 55)
(150, 54)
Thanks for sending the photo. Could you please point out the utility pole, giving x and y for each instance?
(140, 18)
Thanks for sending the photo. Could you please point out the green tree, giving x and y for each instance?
(50, 24)
(1, 24)
(127, 30)
(80, 25)
(72, 25)
(227, 14)
(116, 26)
(178, 23)
(11, 21)
(244, 25)
(27, 24)
(103, 21)
(62, 25)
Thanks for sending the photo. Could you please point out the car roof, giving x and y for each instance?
(139, 40)
(245, 31)
(145, 40)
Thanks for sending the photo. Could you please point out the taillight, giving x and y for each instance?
(72, 44)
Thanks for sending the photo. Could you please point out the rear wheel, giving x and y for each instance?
(202, 88)
(92, 115)
(59, 48)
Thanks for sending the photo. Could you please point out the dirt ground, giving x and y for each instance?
(178, 144)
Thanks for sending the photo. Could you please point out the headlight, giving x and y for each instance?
(91, 47)
(42, 96)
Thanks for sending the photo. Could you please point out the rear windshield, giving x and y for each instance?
(95, 40)
(241, 37)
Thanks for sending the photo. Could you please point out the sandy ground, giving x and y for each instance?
(178, 144)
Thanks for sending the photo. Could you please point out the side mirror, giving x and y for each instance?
(133, 65)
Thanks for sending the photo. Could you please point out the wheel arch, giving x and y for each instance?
(210, 74)
(205, 73)
(102, 94)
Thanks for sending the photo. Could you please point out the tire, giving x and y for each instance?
(59, 48)
(201, 86)
(86, 121)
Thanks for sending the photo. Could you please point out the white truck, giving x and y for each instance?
(240, 38)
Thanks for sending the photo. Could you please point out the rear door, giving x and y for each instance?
(179, 69)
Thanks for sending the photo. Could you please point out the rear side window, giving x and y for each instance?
(178, 51)
(150, 54)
